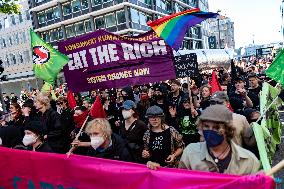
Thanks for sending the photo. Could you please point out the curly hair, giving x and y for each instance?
(99, 122)
(228, 127)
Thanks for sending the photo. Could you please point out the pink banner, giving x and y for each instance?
(32, 170)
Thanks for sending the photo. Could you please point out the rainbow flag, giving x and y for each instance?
(173, 28)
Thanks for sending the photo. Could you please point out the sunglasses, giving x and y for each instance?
(215, 102)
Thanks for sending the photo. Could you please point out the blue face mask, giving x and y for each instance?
(212, 138)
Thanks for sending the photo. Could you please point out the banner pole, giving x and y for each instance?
(276, 168)
(77, 137)
(274, 100)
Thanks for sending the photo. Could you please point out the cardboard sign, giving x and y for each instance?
(186, 65)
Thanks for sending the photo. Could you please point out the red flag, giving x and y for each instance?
(97, 110)
(214, 83)
(71, 100)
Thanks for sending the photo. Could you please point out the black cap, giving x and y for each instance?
(35, 127)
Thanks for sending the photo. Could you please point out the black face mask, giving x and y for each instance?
(159, 97)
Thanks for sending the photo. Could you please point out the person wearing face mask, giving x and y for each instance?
(162, 143)
(143, 104)
(218, 153)
(33, 138)
(104, 143)
(132, 129)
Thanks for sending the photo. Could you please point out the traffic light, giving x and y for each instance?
(1, 67)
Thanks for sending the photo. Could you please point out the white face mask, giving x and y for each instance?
(29, 140)
(126, 114)
(97, 141)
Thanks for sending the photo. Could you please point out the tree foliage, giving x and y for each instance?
(10, 7)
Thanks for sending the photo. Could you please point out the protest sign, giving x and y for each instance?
(186, 65)
(104, 60)
(24, 169)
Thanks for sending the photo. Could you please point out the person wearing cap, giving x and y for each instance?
(33, 138)
(159, 99)
(218, 153)
(243, 131)
(132, 129)
(162, 143)
(239, 99)
(254, 90)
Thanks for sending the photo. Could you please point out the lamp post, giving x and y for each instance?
(219, 33)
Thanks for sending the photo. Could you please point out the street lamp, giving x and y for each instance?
(219, 33)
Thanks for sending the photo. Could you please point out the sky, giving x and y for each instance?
(258, 18)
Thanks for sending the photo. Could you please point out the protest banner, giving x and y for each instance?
(104, 60)
(186, 65)
(33, 170)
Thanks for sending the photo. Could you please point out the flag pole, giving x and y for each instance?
(274, 100)
(276, 168)
(77, 137)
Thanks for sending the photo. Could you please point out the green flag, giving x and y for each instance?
(276, 69)
(268, 134)
(47, 61)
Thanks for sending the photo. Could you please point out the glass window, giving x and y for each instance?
(49, 14)
(143, 19)
(13, 59)
(120, 15)
(70, 31)
(10, 41)
(4, 43)
(1, 26)
(24, 37)
(148, 2)
(168, 6)
(56, 13)
(41, 17)
(7, 61)
(76, 5)
(27, 55)
(28, 15)
(67, 9)
(21, 58)
(17, 39)
(6, 23)
(134, 15)
(110, 20)
(13, 21)
(96, 2)
(45, 36)
(20, 18)
(60, 33)
(100, 23)
(85, 4)
(53, 35)
(79, 28)
(88, 27)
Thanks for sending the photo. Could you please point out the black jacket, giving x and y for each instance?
(53, 129)
(44, 147)
(117, 151)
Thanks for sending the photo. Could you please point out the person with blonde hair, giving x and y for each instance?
(218, 153)
(104, 143)
(50, 121)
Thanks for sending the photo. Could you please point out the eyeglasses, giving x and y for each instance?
(59, 103)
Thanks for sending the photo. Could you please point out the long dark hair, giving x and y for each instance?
(18, 110)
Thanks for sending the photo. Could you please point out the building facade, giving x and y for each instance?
(15, 50)
(56, 20)
(225, 27)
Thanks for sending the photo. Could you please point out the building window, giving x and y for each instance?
(28, 15)
(100, 23)
(60, 33)
(70, 31)
(53, 35)
(143, 19)
(56, 13)
(96, 2)
(88, 27)
(67, 9)
(24, 37)
(49, 14)
(76, 5)
(110, 20)
(13, 59)
(4, 43)
(21, 58)
(1, 26)
(13, 20)
(41, 17)
(120, 15)
(27, 55)
(10, 41)
(6, 23)
(85, 4)
(20, 18)
(17, 39)
(168, 6)
(134, 15)
(45, 36)
(7, 61)
(79, 28)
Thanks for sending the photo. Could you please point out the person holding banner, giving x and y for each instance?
(162, 143)
(104, 143)
(218, 153)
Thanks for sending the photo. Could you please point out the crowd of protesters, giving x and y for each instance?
(165, 124)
